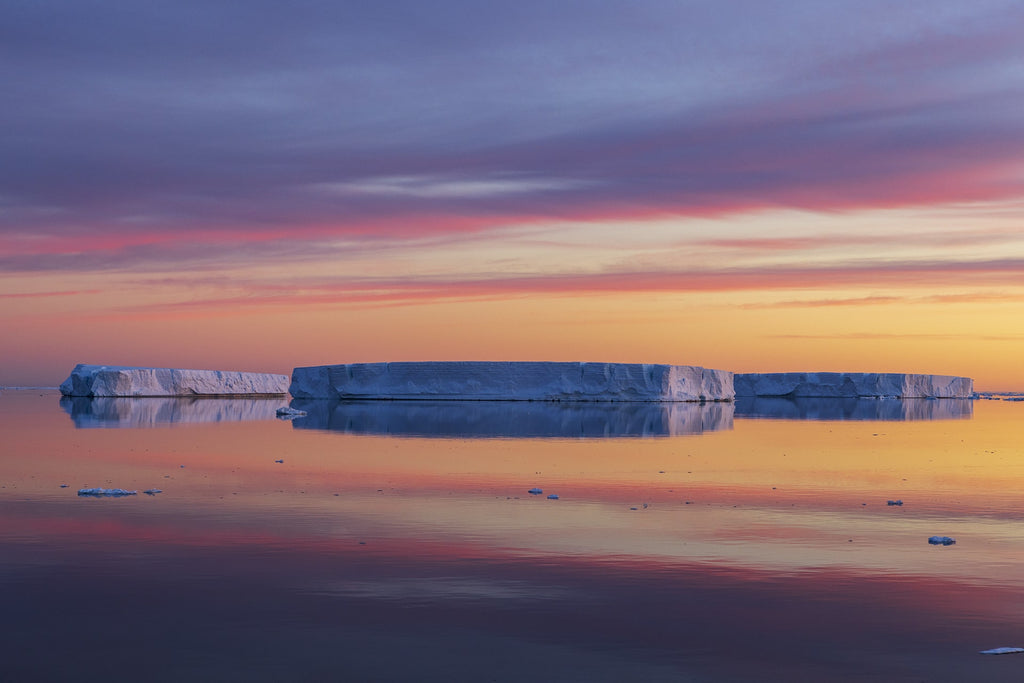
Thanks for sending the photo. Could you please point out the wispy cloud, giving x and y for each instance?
(450, 187)
(507, 122)
(37, 295)
(382, 291)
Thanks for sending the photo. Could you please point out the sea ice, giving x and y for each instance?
(289, 413)
(552, 496)
(1003, 651)
(941, 540)
(894, 502)
(106, 493)
(535, 492)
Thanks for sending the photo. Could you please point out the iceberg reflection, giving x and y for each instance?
(512, 419)
(881, 409)
(111, 411)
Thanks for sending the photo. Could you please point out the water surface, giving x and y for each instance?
(400, 543)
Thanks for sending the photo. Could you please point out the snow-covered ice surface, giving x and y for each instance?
(513, 381)
(115, 380)
(852, 384)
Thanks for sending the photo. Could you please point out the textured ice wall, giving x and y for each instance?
(114, 380)
(512, 381)
(852, 384)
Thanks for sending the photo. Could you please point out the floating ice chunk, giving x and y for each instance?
(535, 492)
(64, 486)
(894, 502)
(289, 413)
(1003, 651)
(941, 540)
(152, 492)
(106, 493)
(553, 496)
(282, 460)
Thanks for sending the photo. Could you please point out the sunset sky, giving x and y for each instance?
(746, 185)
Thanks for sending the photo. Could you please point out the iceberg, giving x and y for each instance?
(116, 380)
(852, 384)
(512, 381)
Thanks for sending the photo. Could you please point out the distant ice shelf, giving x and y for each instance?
(117, 380)
(512, 381)
(852, 385)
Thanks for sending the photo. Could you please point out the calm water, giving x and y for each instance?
(398, 541)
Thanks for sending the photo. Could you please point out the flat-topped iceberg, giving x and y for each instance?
(512, 381)
(852, 384)
(115, 380)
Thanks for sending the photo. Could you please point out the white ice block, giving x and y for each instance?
(512, 381)
(116, 380)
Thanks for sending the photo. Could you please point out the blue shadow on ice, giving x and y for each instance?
(880, 409)
(512, 419)
(111, 411)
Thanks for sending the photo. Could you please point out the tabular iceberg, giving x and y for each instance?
(512, 381)
(853, 384)
(115, 380)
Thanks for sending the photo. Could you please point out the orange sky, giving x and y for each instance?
(816, 187)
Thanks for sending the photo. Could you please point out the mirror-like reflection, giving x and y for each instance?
(109, 411)
(881, 409)
(510, 419)
(276, 553)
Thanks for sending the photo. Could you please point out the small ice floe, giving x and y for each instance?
(941, 540)
(894, 502)
(281, 461)
(535, 492)
(106, 493)
(1003, 651)
(63, 486)
(152, 492)
(552, 496)
(289, 413)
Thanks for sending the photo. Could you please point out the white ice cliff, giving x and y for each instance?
(114, 380)
(512, 381)
(852, 384)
